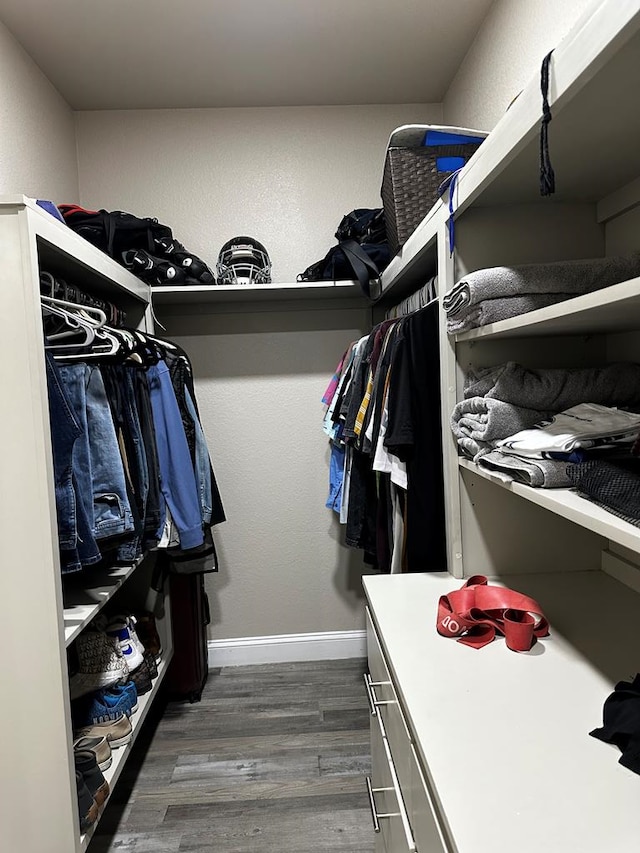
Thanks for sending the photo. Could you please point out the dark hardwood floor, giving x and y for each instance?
(272, 759)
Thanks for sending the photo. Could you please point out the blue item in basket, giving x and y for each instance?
(449, 164)
(440, 137)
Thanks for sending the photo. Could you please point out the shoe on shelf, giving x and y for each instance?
(141, 677)
(100, 707)
(99, 746)
(151, 664)
(117, 732)
(87, 765)
(121, 693)
(121, 629)
(87, 806)
(100, 664)
(148, 633)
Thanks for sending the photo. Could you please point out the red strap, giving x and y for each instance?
(476, 612)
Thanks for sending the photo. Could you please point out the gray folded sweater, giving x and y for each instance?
(557, 389)
(561, 277)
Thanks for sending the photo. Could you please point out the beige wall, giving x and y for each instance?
(283, 569)
(285, 176)
(282, 175)
(37, 136)
(507, 52)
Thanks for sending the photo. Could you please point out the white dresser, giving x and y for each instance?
(488, 751)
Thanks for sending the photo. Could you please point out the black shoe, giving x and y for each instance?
(87, 806)
(141, 677)
(152, 666)
(95, 782)
(148, 634)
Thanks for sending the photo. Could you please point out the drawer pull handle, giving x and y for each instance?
(371, 696)
(375, 817)
(411, 844)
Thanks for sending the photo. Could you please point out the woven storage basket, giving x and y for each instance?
(411, 175)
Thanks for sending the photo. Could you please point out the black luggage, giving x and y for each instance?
(189, 668)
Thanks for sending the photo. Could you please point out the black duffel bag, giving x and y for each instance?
(363, 250)
(142, 244)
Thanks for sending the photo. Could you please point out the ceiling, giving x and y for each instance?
(143, 54)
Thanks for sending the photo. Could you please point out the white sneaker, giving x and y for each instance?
(132, 622)
(122, 630)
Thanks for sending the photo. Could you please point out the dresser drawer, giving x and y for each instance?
(394, 834)
(384, 701)
(422, 813)
(388, 723)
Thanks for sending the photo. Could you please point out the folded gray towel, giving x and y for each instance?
(539, 473)
(493, 310)
(485, 419)
(473, 448)
(556, 389)
(573, 277)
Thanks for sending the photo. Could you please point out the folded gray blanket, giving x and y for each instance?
(573, 277)
(557, 389)
(539, 473)
(477, 421)
(493, 310)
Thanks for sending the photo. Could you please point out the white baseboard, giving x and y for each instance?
(287, 648)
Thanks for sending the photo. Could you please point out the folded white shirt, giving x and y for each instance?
(582, 426)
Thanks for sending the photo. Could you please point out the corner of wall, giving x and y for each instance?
(504, 56)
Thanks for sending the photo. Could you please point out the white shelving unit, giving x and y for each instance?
(569, 505)
(83, 602)
(121, 755)
(501, 739)
(39, 808)
(256, 293)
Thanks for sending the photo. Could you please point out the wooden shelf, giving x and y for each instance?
(121, 755)
(226, 293)
(504, 737)
(84, 600)
(613, 309)
(569, 505)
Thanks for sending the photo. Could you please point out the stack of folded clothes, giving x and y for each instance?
(529, 425)
(497, 293)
